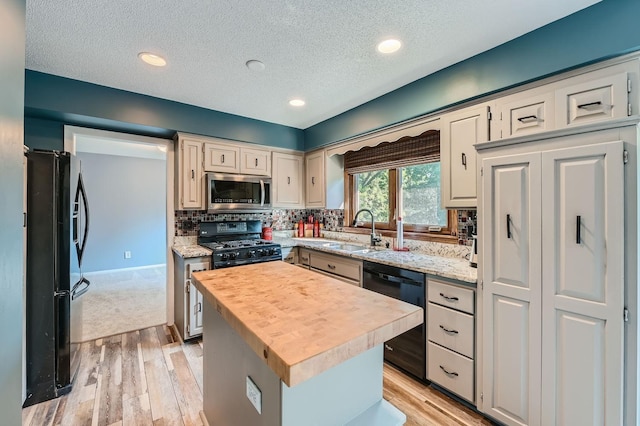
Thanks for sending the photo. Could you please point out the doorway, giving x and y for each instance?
(128, 181)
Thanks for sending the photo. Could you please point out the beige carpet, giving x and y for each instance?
(120, 301)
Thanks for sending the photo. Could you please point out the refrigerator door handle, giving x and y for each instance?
(81, 193)
(77, 291)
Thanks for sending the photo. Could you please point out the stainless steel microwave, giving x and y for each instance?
(228, 192)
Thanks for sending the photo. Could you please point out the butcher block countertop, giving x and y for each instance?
(301, 322)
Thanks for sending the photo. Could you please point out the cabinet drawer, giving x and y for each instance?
(451, 329)
(304, 256)
(524, 114)
(450, 370)
(591, 101)
(290, 255)
(336, 265)
(451, 296)
(221, 158)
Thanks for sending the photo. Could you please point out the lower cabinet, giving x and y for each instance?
(290, 255)
(451, 337)
(340, 267)
(187, 300)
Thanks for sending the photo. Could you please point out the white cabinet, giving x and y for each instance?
(187, 299)
(287, 178)
(290, 255)
(525, 113)
(340, 267)
(189, 175)
(592, 98)
(552, 271)
(460, 130)
(254, 161)
(582, 295)
(451, 337)
(221, 157)
(315, 182)
(225, 157)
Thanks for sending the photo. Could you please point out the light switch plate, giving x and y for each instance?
(254, 395)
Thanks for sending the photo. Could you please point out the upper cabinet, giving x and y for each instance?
(255, 161)
(225, 157)
(221, 157)
(189, 175)
(315, 182)
(288, 180)
(460, 130)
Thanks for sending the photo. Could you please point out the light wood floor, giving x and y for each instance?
(148, 377)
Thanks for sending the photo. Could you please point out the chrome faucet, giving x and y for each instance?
(374, 238)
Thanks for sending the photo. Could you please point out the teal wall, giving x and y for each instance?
(63, 100)
(608, 28)
(12, 54)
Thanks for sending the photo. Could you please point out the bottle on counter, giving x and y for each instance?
(301, 229)
(316, 229)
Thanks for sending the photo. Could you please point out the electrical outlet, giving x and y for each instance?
(127, 254)
(254, 395)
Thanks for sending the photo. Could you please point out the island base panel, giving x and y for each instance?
(348, 393)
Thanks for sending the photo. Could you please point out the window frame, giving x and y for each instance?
(447, 234)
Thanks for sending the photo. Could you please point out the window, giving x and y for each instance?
(400, 177)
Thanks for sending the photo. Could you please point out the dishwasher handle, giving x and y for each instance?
(395, 279)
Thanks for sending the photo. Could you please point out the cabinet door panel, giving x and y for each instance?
(460, 131)
(583, 276)
(287, 173)
(192, 177)
(512, 288)
(591, 101)
(221, 158)
(255, 162)
(315, 180)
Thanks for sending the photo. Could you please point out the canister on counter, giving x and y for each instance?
(267, 233)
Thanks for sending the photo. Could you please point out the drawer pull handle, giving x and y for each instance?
(330, 266)
(448, 373)
(446, 330)
(256, 162)
(222, 158)
(389, 348)
(464, 160)
(193, 174)
(313, 180)
(508, 226)
(449, 299)
(288, 180)
(589, 105)
(528, 119)
(305, 259)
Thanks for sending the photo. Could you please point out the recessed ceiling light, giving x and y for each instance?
(389, 46)
(151, 59)
(296, 102)
(255, 65)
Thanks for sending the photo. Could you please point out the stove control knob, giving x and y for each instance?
(232, 256)
(270, 252)
(251, 253)
(261, 252)
(224, 256)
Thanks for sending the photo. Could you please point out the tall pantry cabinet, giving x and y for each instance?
(554, 215)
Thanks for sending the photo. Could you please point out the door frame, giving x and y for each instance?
(71, 133)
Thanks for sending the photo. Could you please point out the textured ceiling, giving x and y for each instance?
(322, 51)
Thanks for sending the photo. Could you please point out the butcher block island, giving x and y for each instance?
(288, 346)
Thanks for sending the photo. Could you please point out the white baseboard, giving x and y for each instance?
(111, 271)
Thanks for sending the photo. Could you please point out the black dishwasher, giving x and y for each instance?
(408, 350)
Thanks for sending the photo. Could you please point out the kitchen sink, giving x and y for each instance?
(347, 247)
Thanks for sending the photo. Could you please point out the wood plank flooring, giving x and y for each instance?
(150, 377)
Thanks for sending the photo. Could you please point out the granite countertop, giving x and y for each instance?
(193, 250)
(446, 267)
(299, 322)
(440, 266)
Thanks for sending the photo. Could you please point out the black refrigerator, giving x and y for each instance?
(57, 227)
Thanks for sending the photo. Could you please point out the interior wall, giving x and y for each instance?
(605, 29)
(127, 203)
(90, 105)
(12, 57)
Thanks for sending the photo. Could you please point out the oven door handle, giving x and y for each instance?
(261, 193)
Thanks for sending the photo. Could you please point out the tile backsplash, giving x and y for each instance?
(187, 221)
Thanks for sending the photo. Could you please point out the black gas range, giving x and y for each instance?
(237, 243)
